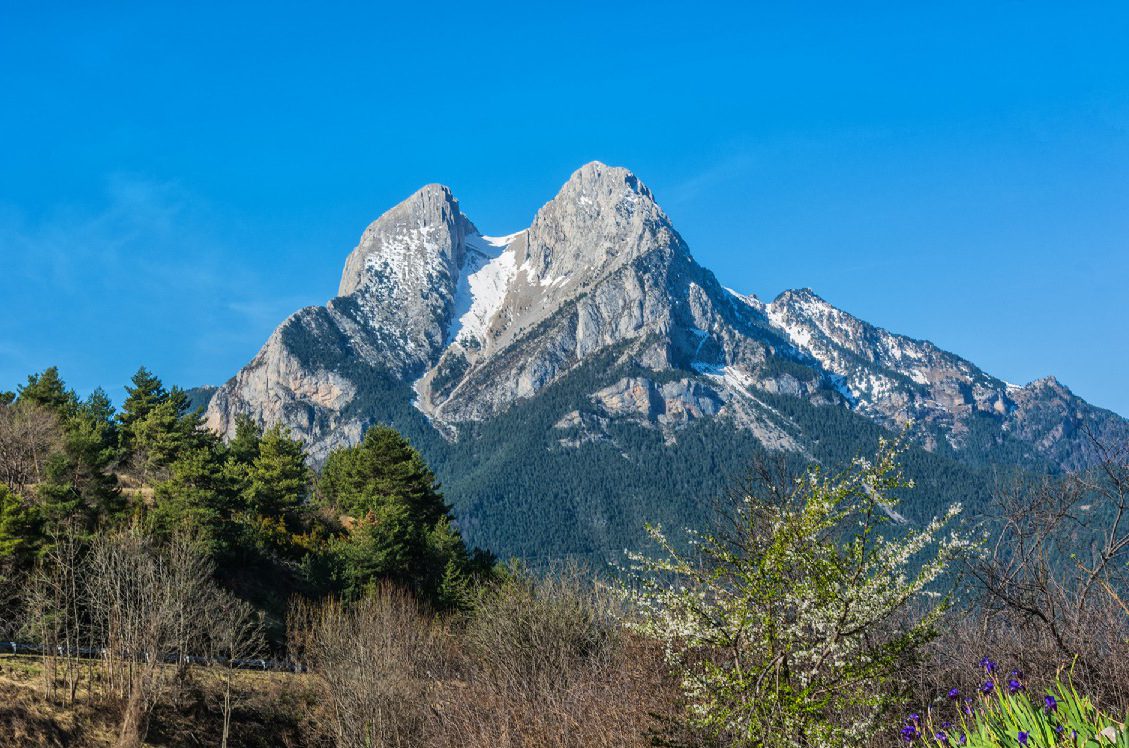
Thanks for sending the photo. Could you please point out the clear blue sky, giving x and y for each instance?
(175, 180)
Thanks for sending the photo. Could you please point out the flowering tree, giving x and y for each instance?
(788, 631)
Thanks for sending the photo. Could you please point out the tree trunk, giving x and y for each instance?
(133, 719)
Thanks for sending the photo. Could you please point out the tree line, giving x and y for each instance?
(263, 520)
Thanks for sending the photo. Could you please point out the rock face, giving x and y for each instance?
(602, 286)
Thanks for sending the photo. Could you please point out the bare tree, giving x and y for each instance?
(55, 614)
(29, 433)
(1057, 571)
(235, 632)
(145, 603)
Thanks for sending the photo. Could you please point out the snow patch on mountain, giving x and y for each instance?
(488, 269)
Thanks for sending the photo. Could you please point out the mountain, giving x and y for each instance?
(578, 378)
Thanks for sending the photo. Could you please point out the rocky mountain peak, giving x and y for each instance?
(425, 230)
(602, 217)
(601, 291)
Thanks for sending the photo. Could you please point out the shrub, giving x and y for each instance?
(792, 629)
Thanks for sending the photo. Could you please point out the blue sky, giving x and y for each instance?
(176, 179)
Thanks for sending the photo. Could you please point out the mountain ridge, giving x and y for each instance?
(464, 327)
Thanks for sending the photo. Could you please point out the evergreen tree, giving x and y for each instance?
(47, 389)
(78, 485)
(158, 426)
(278, 479)
(244, 446)
(90, 451)
(20, 532)
(401, 528)
(145, 394)
(383, 467)
(200, 498)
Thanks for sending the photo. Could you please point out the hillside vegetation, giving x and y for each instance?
(165, 587)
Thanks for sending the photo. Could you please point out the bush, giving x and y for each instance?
(548, 663)
(792, 630)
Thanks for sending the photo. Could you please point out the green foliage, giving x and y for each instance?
(400, 525)
(278, 480)
(20, 534)
(79, 485)
(47, 389)
(144, 394)
(788, 629)
(1008, 716)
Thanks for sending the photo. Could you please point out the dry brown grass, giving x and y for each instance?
(270, 712)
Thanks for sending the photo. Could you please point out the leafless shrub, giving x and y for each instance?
(374, 659)
(548, 664)
(526, 634)
(53, 604)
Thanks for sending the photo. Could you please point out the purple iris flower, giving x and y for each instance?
(1014, 686)
(909, 732)
(987, 687)
(988, 664)
(1022, 737)
(941, 738)
(954, 693)
(963, 739)
(1050, 704)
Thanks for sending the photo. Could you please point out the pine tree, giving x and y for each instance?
(244, 446)
(47, 389)
(199, 497)
(278, 478)
(145, 394)
(401, 527)
(20, 533)
(384, 466)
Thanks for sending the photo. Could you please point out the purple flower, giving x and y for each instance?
(1058, 729)
(963, 739)
(1014, 686)
(989, 665)
(1050, 704)
(915, 718)
(1017, 674)
(954, 693)
(909, 732)
(941, 738)
(1022, 737)
(987, 687)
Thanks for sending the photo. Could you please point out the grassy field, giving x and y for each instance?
(266, 711)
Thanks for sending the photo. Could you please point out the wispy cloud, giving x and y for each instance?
(710, 177)
(147, 271)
